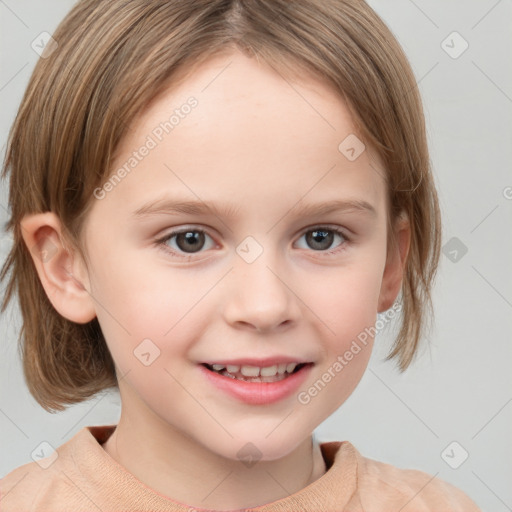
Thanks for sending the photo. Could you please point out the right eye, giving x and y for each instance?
(187, 241)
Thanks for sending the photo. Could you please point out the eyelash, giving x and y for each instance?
(162, 242)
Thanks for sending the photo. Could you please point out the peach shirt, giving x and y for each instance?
(85, 478)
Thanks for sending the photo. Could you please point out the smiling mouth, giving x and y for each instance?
(260, 378)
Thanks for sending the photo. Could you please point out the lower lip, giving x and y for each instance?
(258, 393)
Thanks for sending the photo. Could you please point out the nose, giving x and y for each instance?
(260, 296)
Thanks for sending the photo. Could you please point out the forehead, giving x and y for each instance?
(251, 131)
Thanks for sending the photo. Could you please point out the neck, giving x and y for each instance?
(174, 465)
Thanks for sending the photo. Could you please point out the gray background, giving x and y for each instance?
(460, 387)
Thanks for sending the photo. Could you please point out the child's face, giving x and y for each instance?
(258, 284)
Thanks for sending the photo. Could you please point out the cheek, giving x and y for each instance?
(347, 300)
(347, 309)
(136, 303)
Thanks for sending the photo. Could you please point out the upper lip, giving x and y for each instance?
(262, 363)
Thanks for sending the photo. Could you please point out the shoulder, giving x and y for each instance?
(50, 483)
(24, 487)
(382, 487)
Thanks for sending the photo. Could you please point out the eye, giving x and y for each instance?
(321, 238)
(190, 241)
(187, 241)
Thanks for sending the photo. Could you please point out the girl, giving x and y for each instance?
(285, 140)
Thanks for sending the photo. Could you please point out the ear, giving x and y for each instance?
(395, 264)
(62, 273)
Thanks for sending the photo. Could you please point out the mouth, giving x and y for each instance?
(257, 385)
(249, 373)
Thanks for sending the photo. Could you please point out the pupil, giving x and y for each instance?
(190, 240)
(321, 239)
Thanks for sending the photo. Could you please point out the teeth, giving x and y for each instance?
(250, 371)
(268, 371)
(256, 371)
(290, 367)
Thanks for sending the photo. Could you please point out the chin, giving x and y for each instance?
(250, 447)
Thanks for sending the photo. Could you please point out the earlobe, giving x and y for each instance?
(395, 265)
(61, 271)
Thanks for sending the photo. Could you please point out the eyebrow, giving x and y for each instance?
(169, 206)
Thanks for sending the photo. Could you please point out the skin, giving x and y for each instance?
(252, 141)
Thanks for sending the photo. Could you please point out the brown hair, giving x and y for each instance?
(113, 58)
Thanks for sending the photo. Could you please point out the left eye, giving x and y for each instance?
(321, 238)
